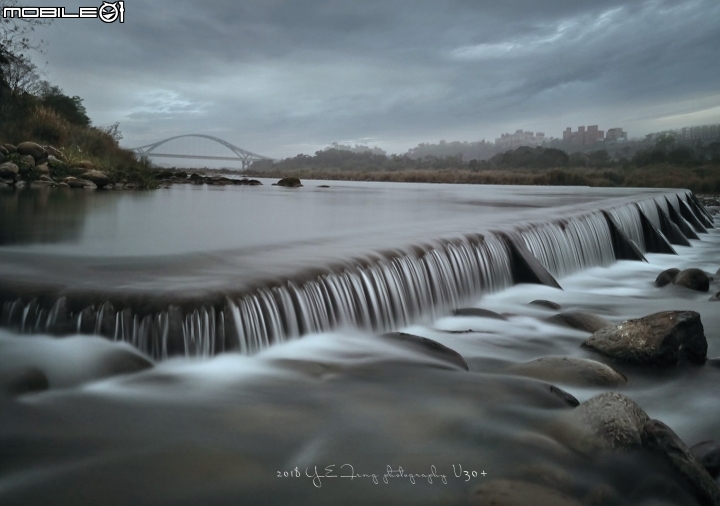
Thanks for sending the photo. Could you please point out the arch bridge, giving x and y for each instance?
(238, 154)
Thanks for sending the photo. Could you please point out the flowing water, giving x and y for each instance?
(263, 309)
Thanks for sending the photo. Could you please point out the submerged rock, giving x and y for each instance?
(694, 279)
(476, 311)
(519, 493)
(658, 339)
(708, 454)
(291, 182)
(580, 321)
(666, 277)
(569, 370)
(23, 380)
(429, 347)
(547, 304)
(660, 439)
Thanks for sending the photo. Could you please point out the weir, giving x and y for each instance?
(379, 292)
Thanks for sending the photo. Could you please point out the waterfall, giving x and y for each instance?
(377, 293)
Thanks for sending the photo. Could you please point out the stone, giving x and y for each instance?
(46, 178)
(23, 380)
(290, 182)
(323, 186)
(661, 440)
(476, 311)
(519, 493)
(63, 185)
(4, 151)
(8, 170)
(546, 304)
(570, 371)
(581, 321)
(606, 422)
(85, 164)
(708, 454)
(79, 183)
(43, 170)
(659, 339)
(181, 174)
(55, 153)
(428, 347)
(694, 279)
(27, 163)
(10, 148)
(666, 277)
(96, 176)
(31, 149)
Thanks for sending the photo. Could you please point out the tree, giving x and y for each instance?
(70, 108)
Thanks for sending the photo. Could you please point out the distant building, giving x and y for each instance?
(583, 137)
(700, 132)
(520, 138)
(616, 135)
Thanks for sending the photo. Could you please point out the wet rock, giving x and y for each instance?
(476, 311)
(519, 493)
(581, 321)
(80, 183)
(659, 339)
(569, 370)
(666, 277)
(660, 439)
(8, 170)
(98, 177)
(52, 151)
(708, 454)
(694, 279)
(566, 397)
(290, 182)
(547, 304)
(23, 380)
(608, 421)
(36, 151)
(429, 347)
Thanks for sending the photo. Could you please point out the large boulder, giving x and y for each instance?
(8, 170)
(666, 277)
(661, 440)
(290, 182)
(658, 339)
(32, 149)
(570, 371)
(694, 279)
(581, 321)
(98, 177)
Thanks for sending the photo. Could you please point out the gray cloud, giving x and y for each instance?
(280, 77)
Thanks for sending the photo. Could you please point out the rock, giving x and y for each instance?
(59, 155)
(85, 164)
(661, 440)
(8, 170)
(79, 183)
(694, 279)
(98, 177)
(290, 182)
(46, 178)
(4, 151)
(63, 185)
(658, 339)
(23, 380)
(666, 277)
(547, 304)
(569, 370)
(580, 321)
(707, 454)
(323, 186)
(566, 397)
(608, 421)
(31, 149)
(181, 174)
(476, 311)
(10, 148)
(429, 347)
(43, 170)
(27, 163)
(715, 297)
(519, 493)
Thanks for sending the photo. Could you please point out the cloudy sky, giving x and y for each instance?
(281, 77)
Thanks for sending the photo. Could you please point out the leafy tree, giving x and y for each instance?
(70, 108)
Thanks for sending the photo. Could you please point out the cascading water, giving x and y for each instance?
(378, 293)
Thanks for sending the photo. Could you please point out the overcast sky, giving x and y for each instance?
(281, 77)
